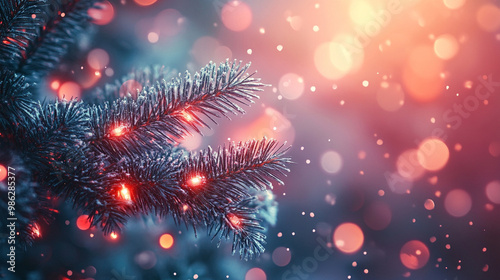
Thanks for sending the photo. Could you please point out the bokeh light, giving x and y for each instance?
(408, 165)
(377, 215)
(103, 13)
(255, 274)
(331, 162)
(493, 191)
(98, 59)
(446, 46)
(414, 254)
(488, 17)
(3, 172)
(348, 238)
(169, 22)
(69, 90)
(166, 241)
(291, 86)
(83, 222)
(390, 96)
(131, 87)
(236, 15)
(429, 204)
(146, 259)
(454, 4)
(281, 256)
(458, 203)
(145, 2)
(433, 154)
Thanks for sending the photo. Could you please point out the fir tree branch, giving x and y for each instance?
(15, 100)
(168, 110)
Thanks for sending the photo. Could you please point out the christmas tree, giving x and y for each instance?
(114, 156)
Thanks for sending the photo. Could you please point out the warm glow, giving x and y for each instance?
(291, 86)
(124, 193)
(454, 4)
(458, 203)
(187, 116)
(69, 90)
(414, 254)
(236, 15)
(390, 96)
(130, 87)
(98, 59)
(83, 222)
(255, 274)
(429, 204)
(113, 235)
(118, 131)
(488, 17)
(361, 12)
(492, 191)
(196, 181)
(408, 165)
(166, 241)
(433, 154)
(35, 229)
(102, 14)
(145, 2)
(348, 238)
(3, 172)
(446, 46)
(331, 162)
(235, 220)
(55, 85)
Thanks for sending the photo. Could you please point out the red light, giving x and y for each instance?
(187, 116)
(166, 241)
(235, 220)
(83, 222)
(118, 131)
(35, 230)
(113, 235)
(196, 181)
(124, 193)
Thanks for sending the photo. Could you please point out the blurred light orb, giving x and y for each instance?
(494, 149)
(454, 4)
(166, 241)
(291, 86)
(360, 12)
(255, 274)
(424, 63)
(145, 2)
(348, 238)
(236, 15)
(414, 254)
(203, 49)
(146, 260)
(130, 87)
(433, 154)
(102, 14)
(408, 165)
(69, 90)
(492, 191)
(390, 97)
(98, 59)
(168, 22)
(458, 203)
(192, 142)
(281, 256)
(3, 172)
(488, 17)
(377, 215)
(429, 204)
(331, 162)
(83, 222)
(153, 37)
(446, 46)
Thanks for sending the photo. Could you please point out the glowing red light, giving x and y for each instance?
(35, 230)
(124, 193)
(113, 235)
(187, 116)
(196, 181)
(118, 131)
(235, 220)
(83, 222)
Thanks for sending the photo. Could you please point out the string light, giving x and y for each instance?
(196, 181)
(235, 220)
(118, 131)
(124, 193)
(35, 230)
(187, 116)
(113, 235)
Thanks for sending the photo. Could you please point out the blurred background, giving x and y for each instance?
(391, 109)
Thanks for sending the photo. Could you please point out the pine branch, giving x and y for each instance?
(46, 53)
(145, 77)
(15, 101)
(22, 22)
(168, 110)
